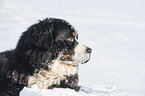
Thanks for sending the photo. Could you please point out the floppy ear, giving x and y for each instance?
(42, 36)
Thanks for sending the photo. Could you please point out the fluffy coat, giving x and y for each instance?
(47, 54)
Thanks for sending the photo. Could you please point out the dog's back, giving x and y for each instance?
(6, 54)
(3, 59)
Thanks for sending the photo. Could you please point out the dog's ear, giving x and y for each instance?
(42, 35)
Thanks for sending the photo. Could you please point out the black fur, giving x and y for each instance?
(41, 43)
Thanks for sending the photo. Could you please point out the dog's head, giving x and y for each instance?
(66, 41)
(54, 39)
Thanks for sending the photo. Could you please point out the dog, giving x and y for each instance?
(47, 54)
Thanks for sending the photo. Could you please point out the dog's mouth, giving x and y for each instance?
(67, 59)
(70, 61)
(87, 59)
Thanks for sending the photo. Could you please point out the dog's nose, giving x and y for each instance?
(88, 50)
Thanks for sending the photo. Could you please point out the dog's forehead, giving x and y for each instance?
(65, 30)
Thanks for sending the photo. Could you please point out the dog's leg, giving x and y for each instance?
(9, 88)
(70, 82)
(12, 83)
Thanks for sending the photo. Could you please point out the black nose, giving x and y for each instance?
(88, 50)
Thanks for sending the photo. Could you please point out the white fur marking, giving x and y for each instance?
(80, 55)
(58, 72)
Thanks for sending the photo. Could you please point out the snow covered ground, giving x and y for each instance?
(114, 29)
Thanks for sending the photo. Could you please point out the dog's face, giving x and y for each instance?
(70, 50)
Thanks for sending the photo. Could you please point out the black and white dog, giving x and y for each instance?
(47, 54)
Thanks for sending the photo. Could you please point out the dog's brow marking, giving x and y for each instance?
(74, 34)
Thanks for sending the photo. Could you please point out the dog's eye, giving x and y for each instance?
(70, 39)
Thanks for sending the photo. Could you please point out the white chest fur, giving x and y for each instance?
(58, 71)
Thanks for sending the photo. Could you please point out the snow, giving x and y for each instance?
(86, 90)
(114, 29)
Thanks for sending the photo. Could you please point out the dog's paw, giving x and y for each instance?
(77, 88)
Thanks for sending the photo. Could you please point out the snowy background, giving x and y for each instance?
(114, 29)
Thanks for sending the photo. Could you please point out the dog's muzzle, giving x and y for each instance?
(82, 54)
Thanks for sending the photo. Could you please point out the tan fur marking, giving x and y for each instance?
(74, 34)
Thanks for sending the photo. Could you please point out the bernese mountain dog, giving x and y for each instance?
(47, 54)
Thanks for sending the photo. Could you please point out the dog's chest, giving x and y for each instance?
(55, 75)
